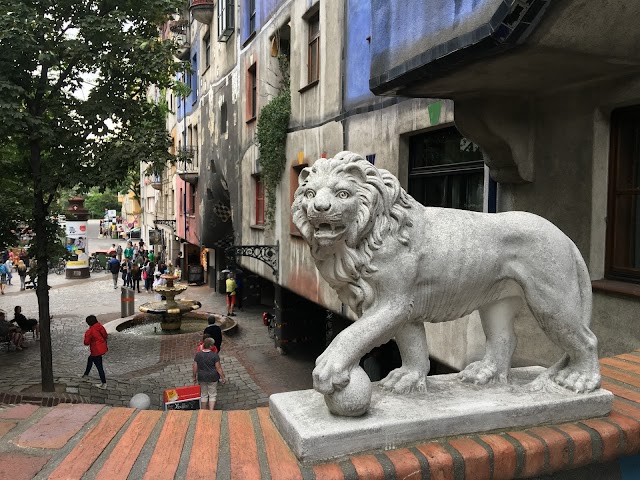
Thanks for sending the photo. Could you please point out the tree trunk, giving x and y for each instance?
(41, 238)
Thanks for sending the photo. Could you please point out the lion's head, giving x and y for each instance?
(345, 207)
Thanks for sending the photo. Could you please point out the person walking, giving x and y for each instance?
(119, 252)
(231, 294)
(22, 273)
(3, 277)
(9, 266)
(214, 331)
(207, 371)
(136, 276)
(114, 267)
(96, 338)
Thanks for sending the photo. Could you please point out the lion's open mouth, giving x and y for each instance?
(329, 230)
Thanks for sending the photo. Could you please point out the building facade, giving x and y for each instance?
(451, 97)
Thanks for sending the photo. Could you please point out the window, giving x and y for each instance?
(313, 59)
(259, 201)
(193, 78)
(252, 94)
(446, 170)
(225, 20)
(193, 199)
(206, 51)
(223, 118)
(293, 185)
(252, 16)
(623, 219)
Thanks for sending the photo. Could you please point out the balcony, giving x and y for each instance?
(156, 183)
(184, 163)
(202, 10)
(180, 35)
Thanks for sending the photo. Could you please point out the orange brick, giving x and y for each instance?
(623, 392)
(166, 455)
(611, 438)
(557, 445)
(440, 461)
(504, 456)
(621, 364)
(533, 453)
(125, 453)
(6, 427)
(406, 464)
(626, 409)
(80, 459)
(242, 446)
(19, 412)
(328, 471)
(629, 357)
(623, 377)
(631, 429)
(583, 450)
(203, 461)
(477, 464)
(282, 462)
(368, 467)
(18, 466)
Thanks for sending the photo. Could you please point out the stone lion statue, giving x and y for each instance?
(398, 264)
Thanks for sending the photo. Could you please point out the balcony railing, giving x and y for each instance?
(180, 35)
(185, 165)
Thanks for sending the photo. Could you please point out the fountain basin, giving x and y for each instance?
(195, 322)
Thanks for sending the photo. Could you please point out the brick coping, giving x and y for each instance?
(246, 444)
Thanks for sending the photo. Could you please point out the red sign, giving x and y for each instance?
(182, 398)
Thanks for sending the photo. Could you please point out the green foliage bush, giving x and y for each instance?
(272, 138)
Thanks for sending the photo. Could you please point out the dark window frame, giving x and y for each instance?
(448, 172)
(252, 16)
(259, 200)
(223, 118)
(621, 163)
(252, 91)
(225, 20)
(206, 51)
(313, 69)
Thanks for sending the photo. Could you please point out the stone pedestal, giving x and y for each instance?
(449, 408)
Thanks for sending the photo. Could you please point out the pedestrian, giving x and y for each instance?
(126, 274)
(150, 269)
(25, 324)
(119, 253)
(214, 331)
(151, 256)
(136, 275)
(22, 273)
(231, 294)
(178, 262)
(3, 277)
(128, 252)
(96, 338)
(114, 267)
(207, 371)
(112, 250)
(9, 266)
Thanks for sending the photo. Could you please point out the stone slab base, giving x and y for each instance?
(449, 408)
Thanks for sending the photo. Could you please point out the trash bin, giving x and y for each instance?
(102, 259)
(127, 301)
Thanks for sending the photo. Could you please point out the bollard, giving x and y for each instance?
(126, 302)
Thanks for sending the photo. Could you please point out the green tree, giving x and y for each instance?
(97, 202)
(74, 79)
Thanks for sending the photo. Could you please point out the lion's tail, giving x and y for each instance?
(584, 284)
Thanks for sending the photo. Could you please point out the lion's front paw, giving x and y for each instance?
(483, 372)
(329, 375)
(405, 380)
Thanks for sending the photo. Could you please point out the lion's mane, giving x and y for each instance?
(383, 214)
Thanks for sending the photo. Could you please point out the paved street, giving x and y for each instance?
(148, 364)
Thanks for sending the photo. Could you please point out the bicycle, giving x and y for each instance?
(94, 265)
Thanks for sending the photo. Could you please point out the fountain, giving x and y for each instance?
(170, 309)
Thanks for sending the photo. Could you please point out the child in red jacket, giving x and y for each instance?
(96, 338)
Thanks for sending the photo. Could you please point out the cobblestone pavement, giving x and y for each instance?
(147, 364)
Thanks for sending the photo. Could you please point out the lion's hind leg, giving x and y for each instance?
(497, 322)
(412, 376)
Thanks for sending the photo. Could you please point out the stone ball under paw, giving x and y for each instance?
(140, 401)
(354, 399)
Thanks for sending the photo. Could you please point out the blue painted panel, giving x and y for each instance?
(401, 31)
(630, 467)
(358, 55)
